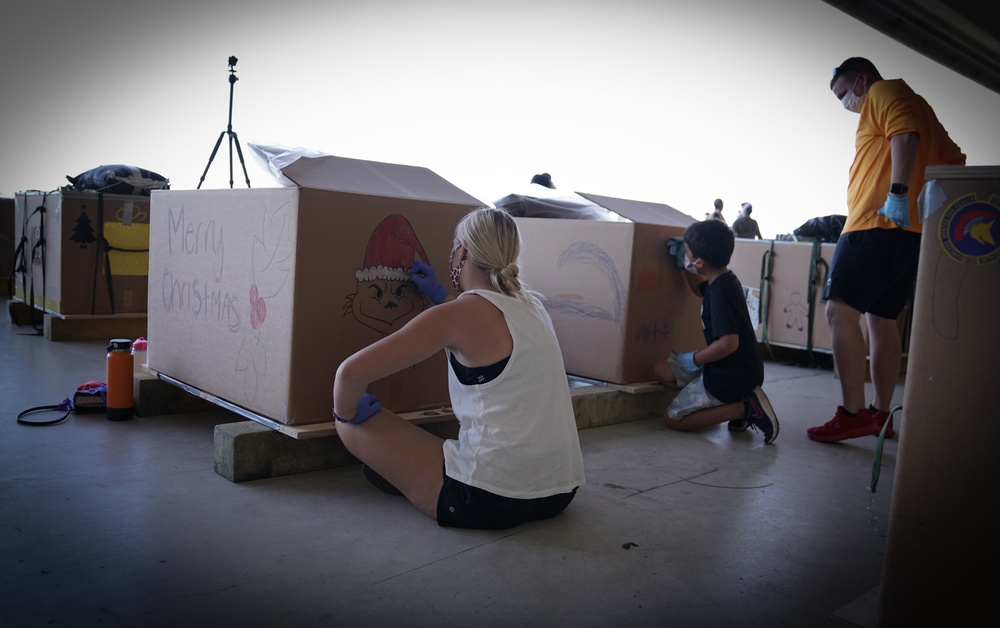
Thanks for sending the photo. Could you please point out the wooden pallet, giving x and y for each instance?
(61, 327)
(306, 430)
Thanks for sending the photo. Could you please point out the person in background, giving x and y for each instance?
(717, 212)
(744, 226)
(544, 179)
(517, 457)
(875, 263)
(721, 382)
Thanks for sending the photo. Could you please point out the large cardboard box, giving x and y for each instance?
(942, 522)
(75, 272)
(260, 294)
(785, 280)
(618, 302)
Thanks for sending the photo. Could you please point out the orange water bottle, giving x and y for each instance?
(120, 375)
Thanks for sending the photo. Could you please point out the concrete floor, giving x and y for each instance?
(126, 524)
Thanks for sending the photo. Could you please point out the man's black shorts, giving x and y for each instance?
(873, 271)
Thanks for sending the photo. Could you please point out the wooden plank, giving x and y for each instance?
(638, 388)
(57, 327)
(329, 428)
(97, 327)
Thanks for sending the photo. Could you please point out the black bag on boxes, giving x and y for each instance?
(822, 228)
(119, 179)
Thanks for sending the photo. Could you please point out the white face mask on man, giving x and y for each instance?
(689, 265)
(851, 101)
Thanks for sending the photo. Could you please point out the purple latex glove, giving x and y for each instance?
(423, 275)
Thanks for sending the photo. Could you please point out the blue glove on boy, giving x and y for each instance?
(675, 248)
(685, 360)
(896, 209)
(423, 275)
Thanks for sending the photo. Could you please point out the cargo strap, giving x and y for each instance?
(766, 266)
(89, 397)
(22, 263)
(105, 248)
(816, 261)
(877, 464)
(65, 407)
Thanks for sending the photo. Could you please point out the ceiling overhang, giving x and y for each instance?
(963, 35)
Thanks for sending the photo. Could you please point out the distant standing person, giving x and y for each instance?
(744, 226)
(544, 179)
(717, 212)
(875, 263)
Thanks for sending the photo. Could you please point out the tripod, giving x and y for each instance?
(229, 131)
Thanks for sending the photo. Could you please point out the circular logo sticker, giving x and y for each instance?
(970, 229)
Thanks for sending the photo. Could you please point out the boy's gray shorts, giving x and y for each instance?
(692, 397)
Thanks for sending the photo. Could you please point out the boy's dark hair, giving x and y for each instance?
(712, 241)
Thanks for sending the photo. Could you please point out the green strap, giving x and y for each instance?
(877, 465)
(766, 266)
(815, 262)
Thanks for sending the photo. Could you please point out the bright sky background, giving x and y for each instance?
(666, 101)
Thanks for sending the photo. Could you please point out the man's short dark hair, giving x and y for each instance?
(712, 241)
(855, 65)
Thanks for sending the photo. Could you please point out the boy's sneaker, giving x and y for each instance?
(761, 415)
(739, 425)
(881, 416)
(378, 481)
(842, 426)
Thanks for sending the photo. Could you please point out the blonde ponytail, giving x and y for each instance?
(493, 241)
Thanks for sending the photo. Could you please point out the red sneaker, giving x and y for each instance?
(842, 426)
(881, 417)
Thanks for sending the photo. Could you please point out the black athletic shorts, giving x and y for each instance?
(463, 506)
(874, 271)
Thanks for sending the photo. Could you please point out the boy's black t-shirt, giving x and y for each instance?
(724, 311)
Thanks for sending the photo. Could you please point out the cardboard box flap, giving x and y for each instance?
(962, 172)
(341, 174)
(643, 212)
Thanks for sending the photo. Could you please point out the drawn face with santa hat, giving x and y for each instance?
(386, 298)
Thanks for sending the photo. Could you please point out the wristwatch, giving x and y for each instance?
(898, 189)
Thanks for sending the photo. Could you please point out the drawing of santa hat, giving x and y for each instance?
(391, 251)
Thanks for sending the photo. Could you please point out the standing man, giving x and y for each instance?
(875, 263)
(744, 226)
(717, 212)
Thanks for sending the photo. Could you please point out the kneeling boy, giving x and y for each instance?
(721, 382)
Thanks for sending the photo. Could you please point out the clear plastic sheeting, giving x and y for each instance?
(577, 208)
(275, 157)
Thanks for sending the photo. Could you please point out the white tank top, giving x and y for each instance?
(518, 434)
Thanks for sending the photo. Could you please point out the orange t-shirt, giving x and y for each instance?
(890, 109)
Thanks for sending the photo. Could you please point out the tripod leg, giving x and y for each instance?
(209, 164)
(239, 152)
(230, 159)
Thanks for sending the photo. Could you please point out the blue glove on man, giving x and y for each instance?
(685, 360)
(896, 209)
(368, 406)
(423, 275)
(675, 248)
